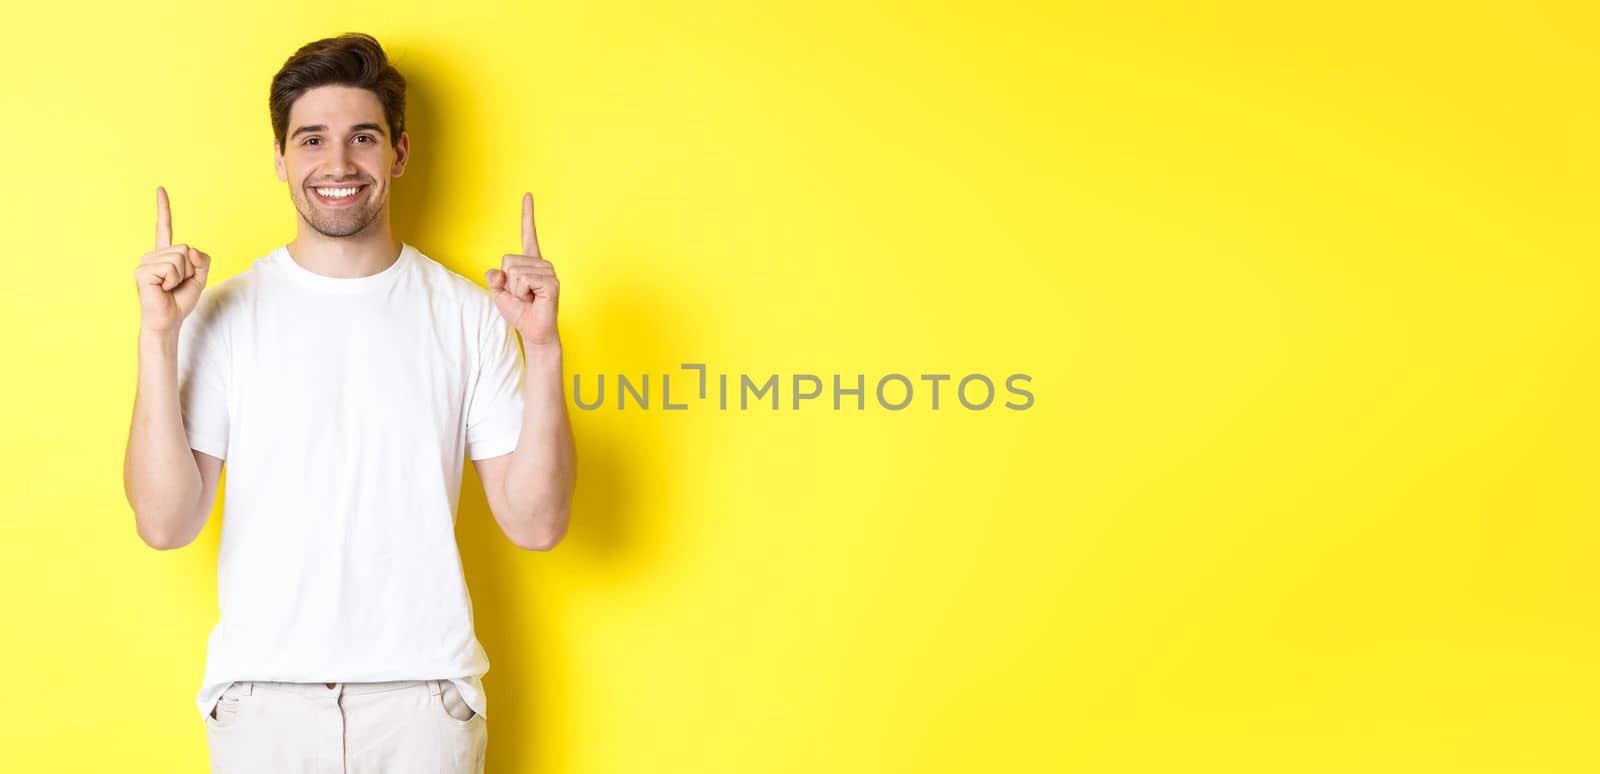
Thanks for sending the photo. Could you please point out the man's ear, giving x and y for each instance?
(277, 161)
(402, 154)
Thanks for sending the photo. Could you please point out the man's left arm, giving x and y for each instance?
(530, 490)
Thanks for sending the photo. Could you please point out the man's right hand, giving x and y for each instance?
(169, 277)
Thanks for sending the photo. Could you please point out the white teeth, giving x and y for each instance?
(337, 193)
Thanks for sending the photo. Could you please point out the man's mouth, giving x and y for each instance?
(338, 196)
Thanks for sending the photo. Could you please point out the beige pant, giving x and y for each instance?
(399, 727)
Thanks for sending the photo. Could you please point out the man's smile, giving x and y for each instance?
(338, 196)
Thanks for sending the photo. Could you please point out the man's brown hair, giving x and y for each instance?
(351, 59)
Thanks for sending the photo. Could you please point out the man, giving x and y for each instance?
(342, 377)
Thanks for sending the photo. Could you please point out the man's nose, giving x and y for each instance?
(341, 163)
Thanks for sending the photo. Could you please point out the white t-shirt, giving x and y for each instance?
(343, 408)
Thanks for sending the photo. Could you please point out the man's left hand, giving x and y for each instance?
(525, 289)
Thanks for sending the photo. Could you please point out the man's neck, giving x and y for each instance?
(359, 255)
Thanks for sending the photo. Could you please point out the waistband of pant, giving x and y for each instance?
(434, 687)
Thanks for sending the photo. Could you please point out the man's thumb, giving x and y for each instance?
(202, 265)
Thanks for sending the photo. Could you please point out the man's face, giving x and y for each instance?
(338, 140)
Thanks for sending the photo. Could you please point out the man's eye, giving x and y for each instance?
(366, 137)
(309, 141)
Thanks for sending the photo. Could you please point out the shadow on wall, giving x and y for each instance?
(611, 543)
(430, 131)
(528, 689)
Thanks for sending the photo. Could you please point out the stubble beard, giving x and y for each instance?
(337, 223)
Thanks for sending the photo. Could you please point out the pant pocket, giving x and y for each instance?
(453, 705)
(226, 711)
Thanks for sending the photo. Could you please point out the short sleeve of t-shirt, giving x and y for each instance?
(494, 410)
(203, 375)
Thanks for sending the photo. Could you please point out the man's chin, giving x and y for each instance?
(336, 229)
(338, 226)
(340, 230)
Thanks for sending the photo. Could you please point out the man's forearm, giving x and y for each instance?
(543, 469)
(159, 474)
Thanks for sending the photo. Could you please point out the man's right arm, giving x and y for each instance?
(170, 486)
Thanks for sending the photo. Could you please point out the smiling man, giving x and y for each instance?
(343, 377)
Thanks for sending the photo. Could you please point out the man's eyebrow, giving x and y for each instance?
(323, 128)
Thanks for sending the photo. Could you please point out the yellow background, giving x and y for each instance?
(1307, 297)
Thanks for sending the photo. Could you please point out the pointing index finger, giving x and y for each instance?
(163, 219)
(530, 238)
